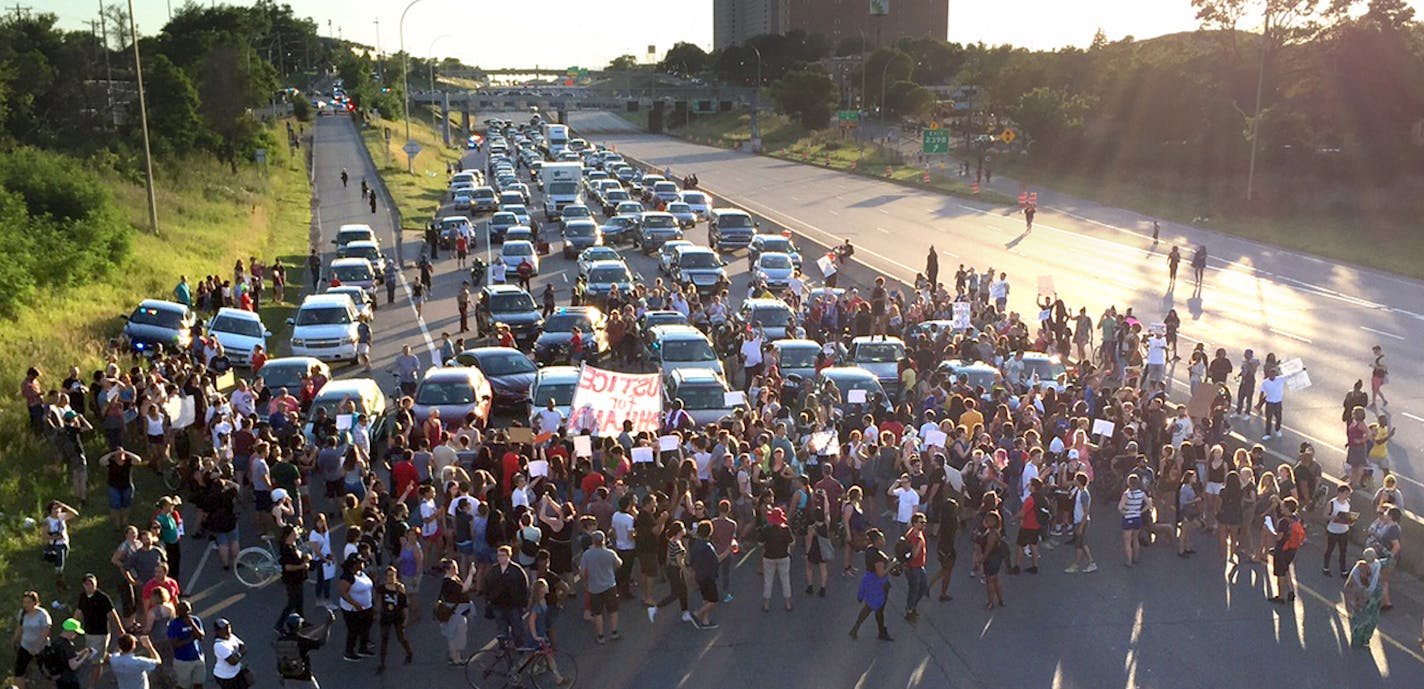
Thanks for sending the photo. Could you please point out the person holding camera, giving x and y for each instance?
(295, 562)
(295, 641)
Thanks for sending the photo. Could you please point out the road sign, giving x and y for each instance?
(934, 124)
(935, 141)
(411, 148)
(1008, 136)
(851, 116)
(260, 156)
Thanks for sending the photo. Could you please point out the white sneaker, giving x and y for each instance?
(1072, 569)
(1265, 437)
(686, 617)
(652, 613)
(1092, 567)
(1278, 435)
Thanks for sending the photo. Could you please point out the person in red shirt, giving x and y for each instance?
(404, 476)
(160, 580)
(592, 480)
(1031, 526)
(506, 336)
(915, 552)
(433, 428)
(259, 359)
(510, 465)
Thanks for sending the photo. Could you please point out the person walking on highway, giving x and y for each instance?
(1029, 212)
(314, 267)
(363, 342)
(364, 187)
(1273, 392)
(1246, 388)
(462, 301)
(391, 276)
(1379, 375)
(407, 368)
(932, 268)
(373, 201)
(874, 590)
(1174, 258)
(1199, 266)
(344, 178)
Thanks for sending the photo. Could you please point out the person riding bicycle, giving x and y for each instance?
(539, 620)
(293, 646)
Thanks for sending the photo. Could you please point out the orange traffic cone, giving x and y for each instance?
(976, 188)
(1023, 199)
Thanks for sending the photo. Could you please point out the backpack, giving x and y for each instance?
(1295, 535)
(1041, 511)
(52, 662)
(290, 664)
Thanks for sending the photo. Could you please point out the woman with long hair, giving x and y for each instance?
(1229, 516)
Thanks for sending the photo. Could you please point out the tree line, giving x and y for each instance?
(1341, 86)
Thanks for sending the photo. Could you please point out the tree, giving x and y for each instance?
(684, 59)
(623, 63)
(1050, 116)
(908, 99)
(890, 64)
(173, 119)
(806, 96)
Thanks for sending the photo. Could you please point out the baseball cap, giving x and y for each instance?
(221, 623)
(279, 495)
(73, 625)
(1072, 454)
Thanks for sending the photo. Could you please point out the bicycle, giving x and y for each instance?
(257, 565)
(502, 668)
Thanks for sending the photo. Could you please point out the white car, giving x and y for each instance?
(521, 213)
(238, 331)
(325, 328)
(699, 200)
(774, 268)
(594, 254)
(667, 253)
(515, 252)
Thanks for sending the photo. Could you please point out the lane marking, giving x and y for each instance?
(882, 210)
(881, 229)
(193, 580)
(832, 211)
(1411, 416)
(1290, 335)
(1381, 332)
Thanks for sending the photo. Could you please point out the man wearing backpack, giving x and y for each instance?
(60, 660)
(293, 648)
(1035, 514)
(1290, 536)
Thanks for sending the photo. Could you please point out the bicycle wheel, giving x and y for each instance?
(173, 476)
(542, 676)
(255, 567)
(491, 669)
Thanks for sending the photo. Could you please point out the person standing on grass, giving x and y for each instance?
(130, 669)
(56, 537)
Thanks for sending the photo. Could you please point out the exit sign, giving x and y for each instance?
(935, 141)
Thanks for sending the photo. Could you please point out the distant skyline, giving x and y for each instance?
(563, 33)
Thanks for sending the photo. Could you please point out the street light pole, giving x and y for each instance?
(884, 73)
(1256, 119)
(143, 119)
(431, 51)
(756, 103)
(405, 86)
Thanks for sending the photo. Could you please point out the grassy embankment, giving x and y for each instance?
(208, 218)
(783, 138)
(417, 195)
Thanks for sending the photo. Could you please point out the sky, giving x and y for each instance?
(565, 33)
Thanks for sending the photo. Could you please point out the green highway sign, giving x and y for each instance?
(936, 141)
(848, 115)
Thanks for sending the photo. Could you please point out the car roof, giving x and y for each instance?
(766, 302)
(605, 263)
(307, 361)
(690, 248)
(697, 374)
(355, 226)
(673, 244)
(1040, 356)
(504, 289)
(796, 344)
(961, 365)
(677, 331)
(326, 300)
(872, 339)
(161, 305)
(729, 211)
(847, 372)
(764, 254)
(516, 242)
(581, 222)
(350, 261)
(347, 387)
(657, 214)
(362, 243)
(557, 374)
(663, 312)
(485, 351)
(241, 314)
(438, 373)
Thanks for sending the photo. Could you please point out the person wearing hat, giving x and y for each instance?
(295, 641)
(228, 653)
(356, 603)
(777, 541)
(1363, 595)
(295, 563)
(67, 676)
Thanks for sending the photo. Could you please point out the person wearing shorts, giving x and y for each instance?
(703, 559)
(185, 636)
(1132, 505)
(1080, 509)
(598, 567)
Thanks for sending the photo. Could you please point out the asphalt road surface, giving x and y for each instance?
(1168, 623)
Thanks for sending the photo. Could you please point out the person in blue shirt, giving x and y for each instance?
(182, 293)
(185, 635)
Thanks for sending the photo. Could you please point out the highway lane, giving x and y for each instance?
(1258, 297)
(1168, 623)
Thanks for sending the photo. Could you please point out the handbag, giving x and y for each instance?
(443, 611)
(828, 550)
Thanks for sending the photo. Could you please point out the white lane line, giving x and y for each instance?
(1381, 332)
(1416, 418)
(833, 212)
(419, 319)
(1290, 335)
(193, 580)
(881, 229)
(882, 210)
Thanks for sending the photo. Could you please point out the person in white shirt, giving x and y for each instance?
(244, 401)
(228, 650)
(1030, 472)
(1273, 394)
(999, 292)
(751, 355)
(1156, 359)
(1182, 427)
(548, 419)
(497, 272)
(907, 502)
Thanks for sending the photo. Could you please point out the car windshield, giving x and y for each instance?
(630, 208)
(776, 262)
(699, 259)
(562, 188)
(601, 253)
(879, 352)
(665, 187)
(484, 193)
(521, 249)
(352, 273)
(617, 195)
(332, 405)
(977, 378)
(579, 230)
(503, 219)
(779, 244)
(702, 397)
(676, 208)
(659, 221)
(734, 221)
(453, 224)
(1045, 369)
(236, 326)
(869, 385)
(275, 375)
(565, 322)
(665, 319)
(798, 357)
(563, 393)
(445, 392)
(348, 236)
(619, 223)
(771, 317)
(323, 315)
(366, 252)
(162, 318)
(517, 211)
(576, 212)
(694, 197)
(608, 274)
(511, 303)
(505, 363)
(691, 349)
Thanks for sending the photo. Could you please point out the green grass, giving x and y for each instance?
(784, 138)
(208, 218)
(417, 195)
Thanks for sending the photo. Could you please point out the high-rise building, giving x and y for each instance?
(839, 19)
(734, 21)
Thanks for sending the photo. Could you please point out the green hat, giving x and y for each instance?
(73, 625)
(70, 414)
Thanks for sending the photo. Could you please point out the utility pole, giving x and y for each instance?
(381, 74)
(143, 120)
(108, 71)
(405, 86)
(1256, 119)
